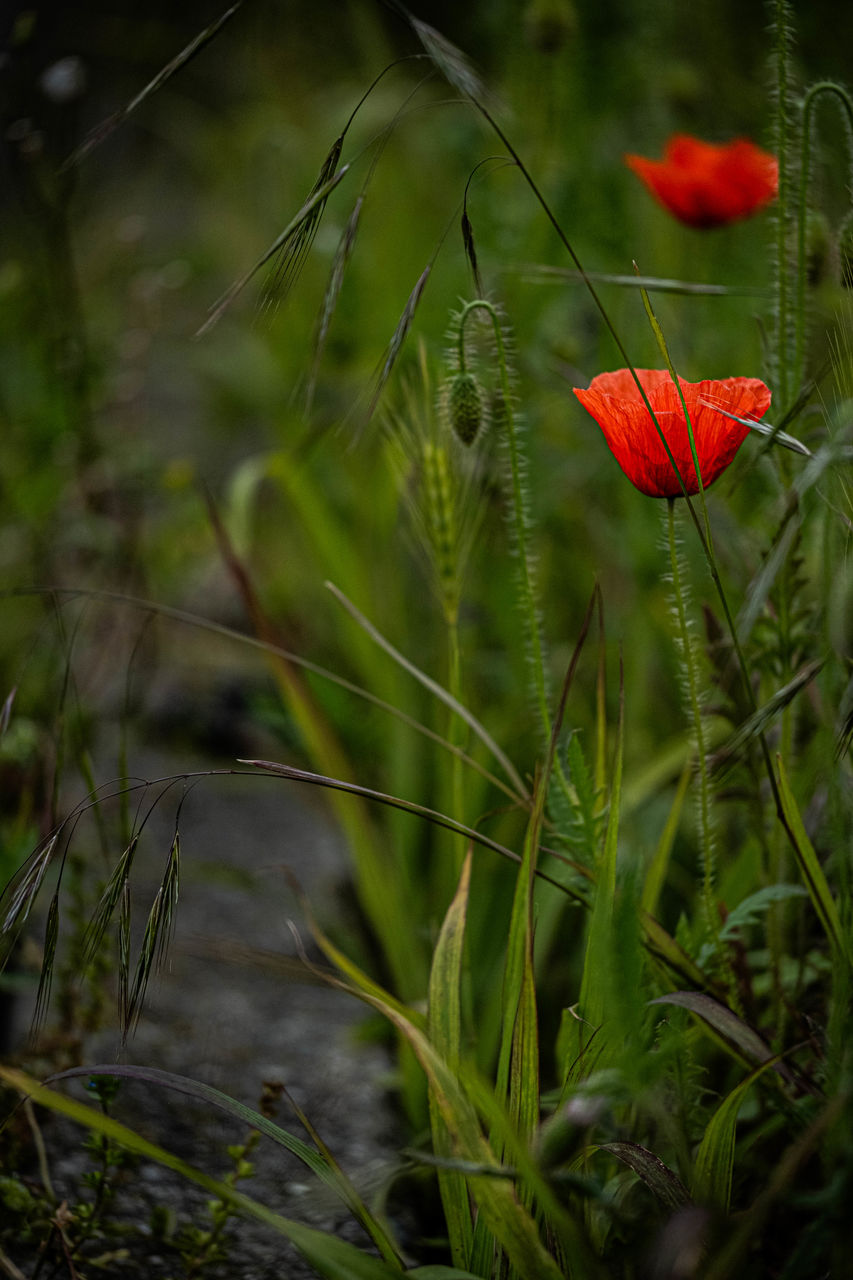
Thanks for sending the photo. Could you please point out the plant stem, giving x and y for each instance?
(688, 655)
(520, 513)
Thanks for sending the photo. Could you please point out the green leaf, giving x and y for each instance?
(810, 868)
(597, 980)
(665, 1185)
(444, 1024)
(332, 1257)
(750, 909)
(320, 1165)
(712, 1172)
(742, 1040)
(441, 1273)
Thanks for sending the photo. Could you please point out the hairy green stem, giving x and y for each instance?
(782, 31)
(695, 708)
(519, 505)
(830, 89)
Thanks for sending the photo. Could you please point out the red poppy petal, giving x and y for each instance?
(614, 400)
(708, 186)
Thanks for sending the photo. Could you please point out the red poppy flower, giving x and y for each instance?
(615, 402)
(708, 186)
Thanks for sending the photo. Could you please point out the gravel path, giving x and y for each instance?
(235, 1008)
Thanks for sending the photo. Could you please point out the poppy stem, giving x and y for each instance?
(783, 36)
(842, 97)
(686, 644)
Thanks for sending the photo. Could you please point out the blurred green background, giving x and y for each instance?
(117, 418)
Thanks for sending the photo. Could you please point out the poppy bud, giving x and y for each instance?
(466, 407)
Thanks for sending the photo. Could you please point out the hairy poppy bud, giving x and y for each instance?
(466, 407)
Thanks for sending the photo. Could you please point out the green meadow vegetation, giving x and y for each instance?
(290, 335)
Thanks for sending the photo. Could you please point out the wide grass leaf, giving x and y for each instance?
(444, 1022)
(712, 1173)
(331, 1257)
(811, 870)
(320, 1164)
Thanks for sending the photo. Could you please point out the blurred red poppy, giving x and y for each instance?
(709, 186)
(615, 402)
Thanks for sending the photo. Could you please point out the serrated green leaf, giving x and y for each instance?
(750, 909)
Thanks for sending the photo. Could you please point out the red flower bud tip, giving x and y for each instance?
(709, 186)
(615, 402)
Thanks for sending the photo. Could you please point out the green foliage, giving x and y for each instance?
(621, 1034)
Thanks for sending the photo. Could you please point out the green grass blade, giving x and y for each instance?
(597, 980)
(810, 868)
(321, 1165)
(712, 1173)
(103, 131)
(444, 1027)
(666, 1186)
(434, 688)
(332, 1257)
(656, 871)
(498, 1205)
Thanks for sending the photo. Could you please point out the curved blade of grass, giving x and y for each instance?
(755, 724)
(6, 711)
(597, 978)
(664, 948)
(712, 1172)
(772, 434)
(811, 870)
(379, 877)
(434, 688)
(666, 1186)
(408, 806)
(275, 650)
(444, 1027)
(749, 910)
(332, 1257)
(103, 131)
(441, 1273)
(542, 272)
(461, 1095)
(742, 1040)
(322, 1166)
(499, 1208)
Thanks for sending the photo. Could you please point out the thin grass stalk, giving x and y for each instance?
(378, 877)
